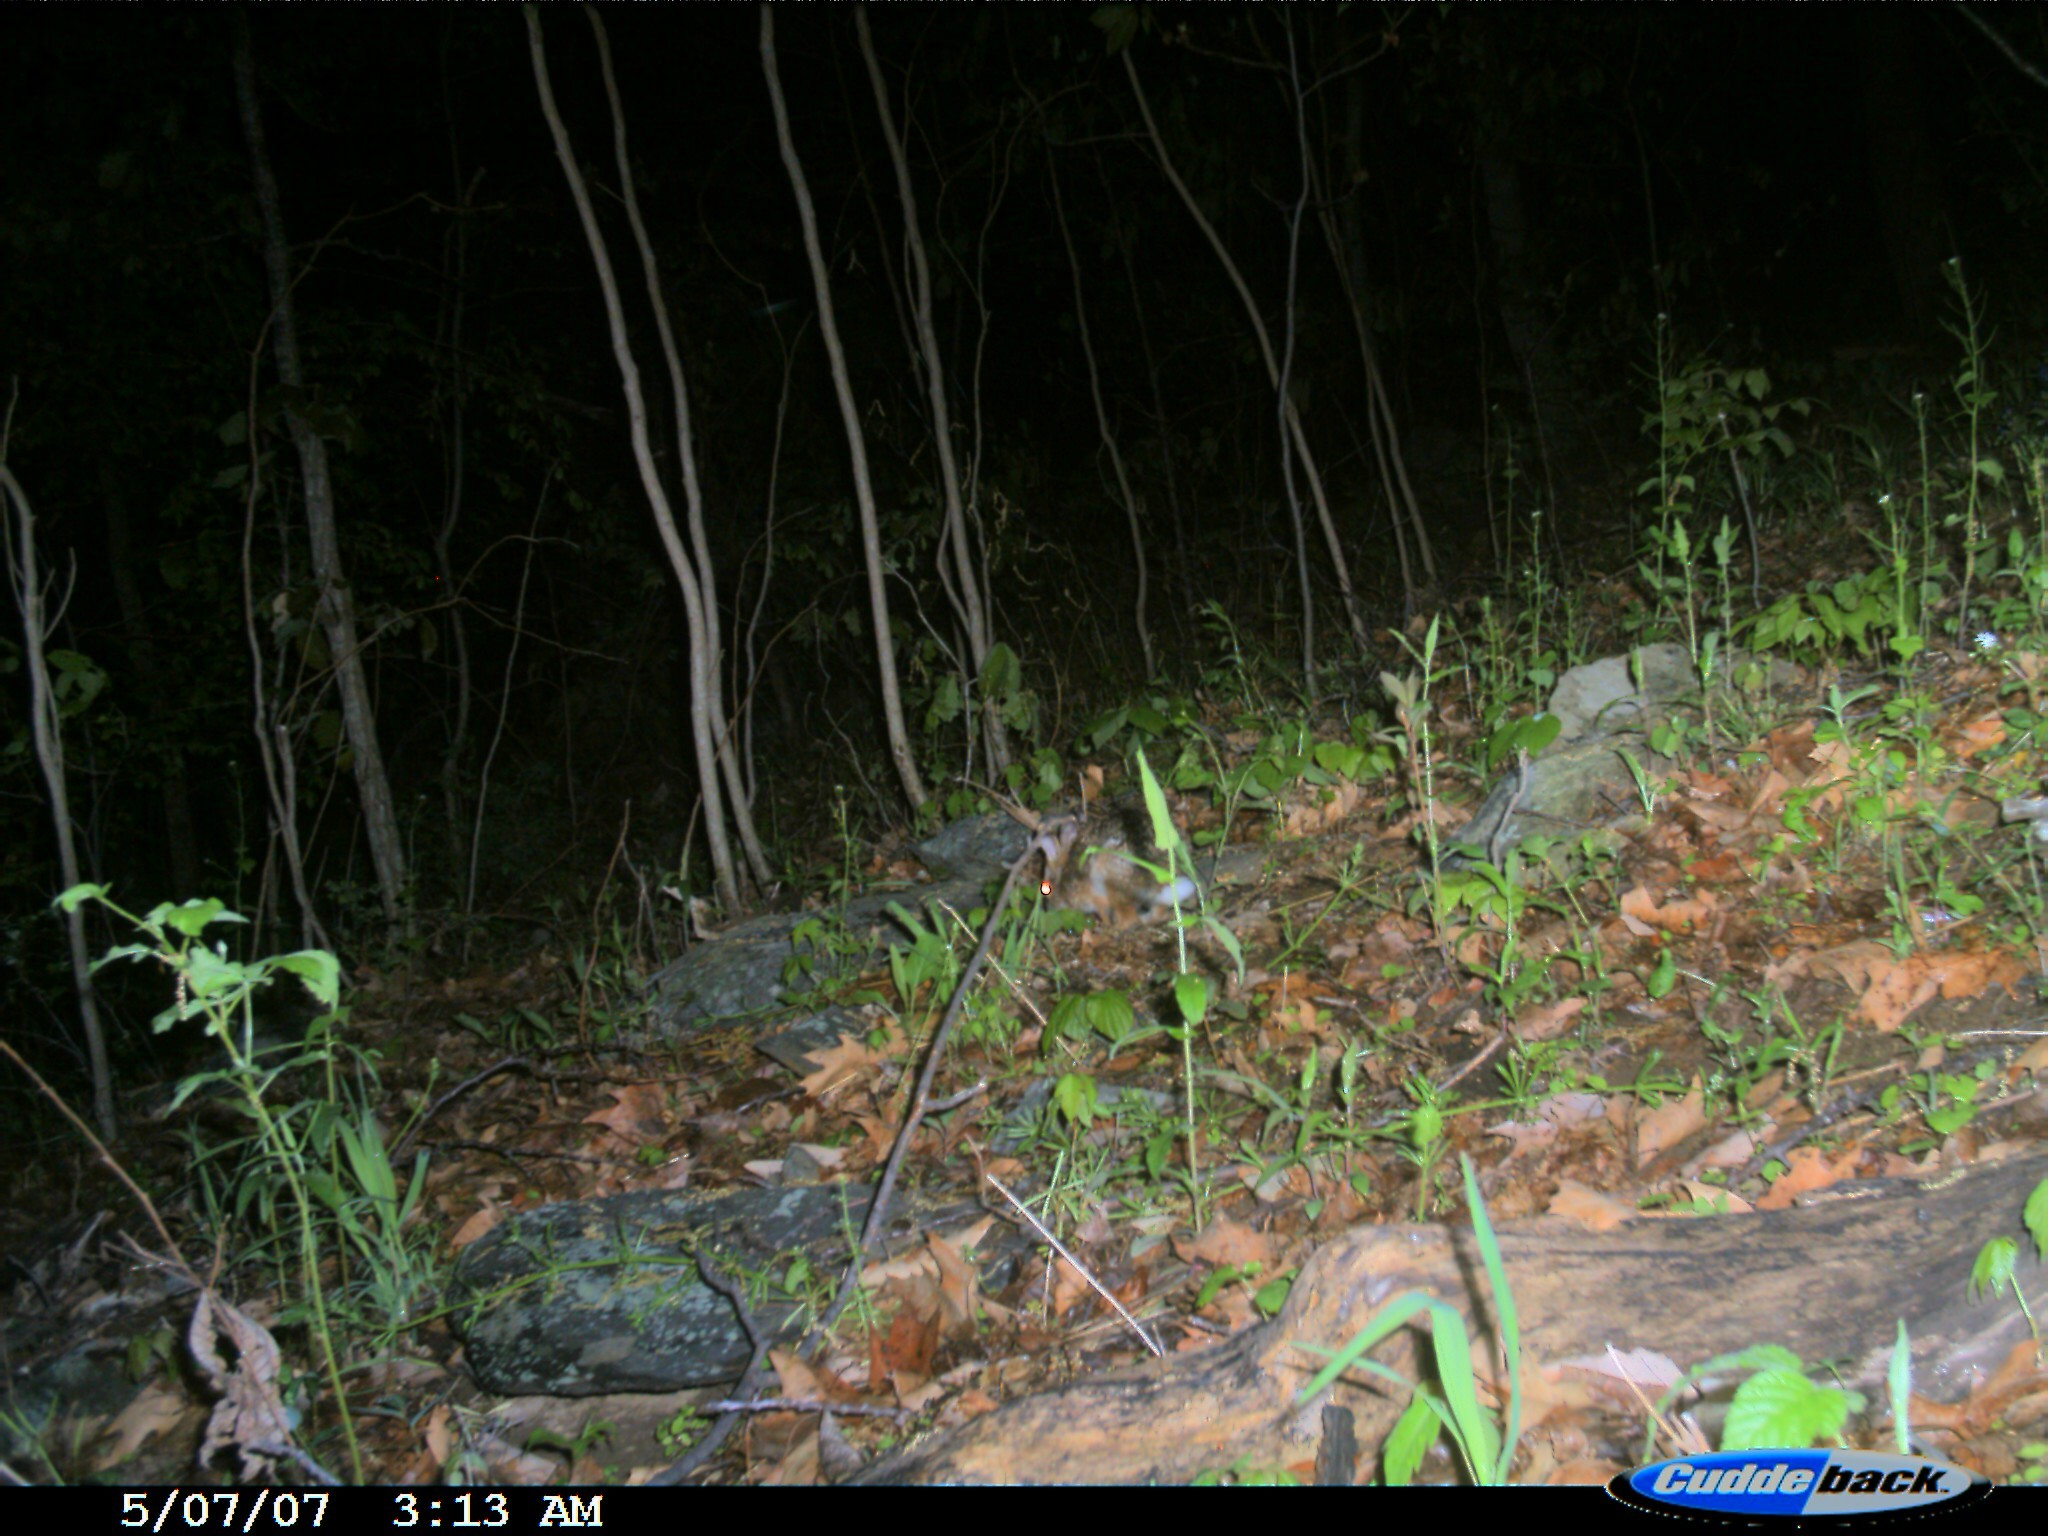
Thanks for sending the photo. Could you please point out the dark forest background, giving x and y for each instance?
(1531, 211)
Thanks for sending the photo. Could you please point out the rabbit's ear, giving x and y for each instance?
(1056, 842)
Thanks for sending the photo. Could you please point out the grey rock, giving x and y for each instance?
(1605, 709)
(596, 1296)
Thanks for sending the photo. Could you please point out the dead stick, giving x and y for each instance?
(878, 1211)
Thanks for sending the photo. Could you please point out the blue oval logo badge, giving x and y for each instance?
(1761, 1484)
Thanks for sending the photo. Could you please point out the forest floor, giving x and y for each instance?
(1806, 959)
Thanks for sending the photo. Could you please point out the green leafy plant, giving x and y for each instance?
(1946, 1101)
(1648, 793)
(1107, 1014)
(593, 1434)
(1146, 720)
(1510, 668)
(823, 950)
(1777, 1404)
(310, 1186)
(1898, 1386)
(1485, 1447)
(929, 959)
(1314, 1129)
(1775, 1042)
(681, 1430)
(1974, 399)
(517, 1029)
(1816, 621)
(1267, 1296)
(1420, 1137)
(1997, 1260)
(1411, 696)
(1706, 415)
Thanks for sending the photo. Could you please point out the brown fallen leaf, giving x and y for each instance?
(1667, 1125)
(1589, 1208)
(638, 1115)
(1807, 1170)
(1227, 1243)
(158, 1409)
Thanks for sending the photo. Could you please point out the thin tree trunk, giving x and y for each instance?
(849, 412)
(336, 608)
(968, 580)
(1400, 494)
(1289, 414)
(1285, 389)
(483, 772)
(702, 725)
(1394, 516)
(1116, 459)
(1344, 235)
(24, 576)
(1185, 575)
(744, 712)
(977, 285)
(713, 660)
(458, 735)
(273, 742)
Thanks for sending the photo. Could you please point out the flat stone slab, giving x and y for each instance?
(588, 1297)
(741, 972)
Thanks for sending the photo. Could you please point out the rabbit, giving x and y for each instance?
(1091, 866)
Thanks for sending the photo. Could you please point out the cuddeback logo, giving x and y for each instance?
(1751, 1485)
